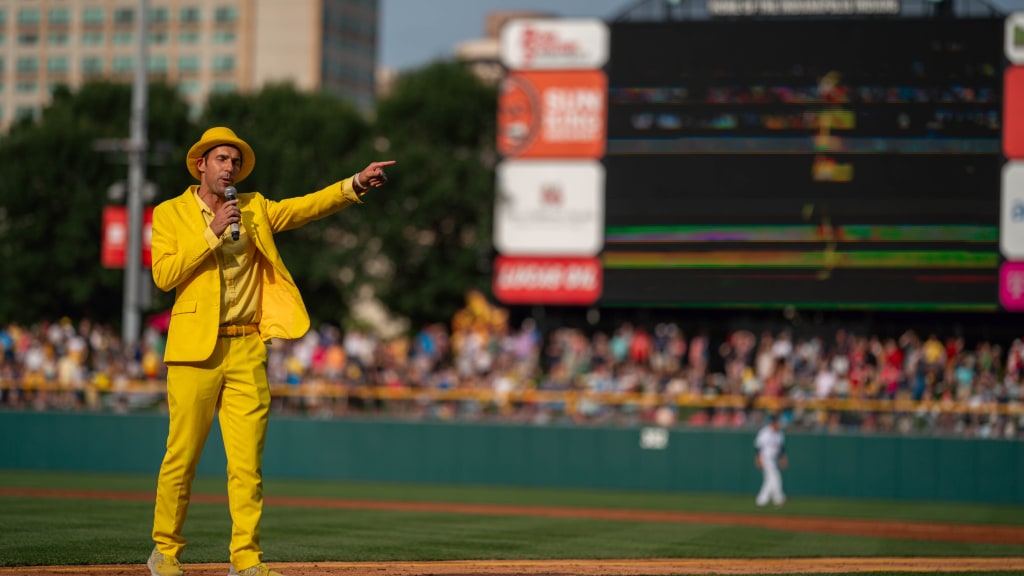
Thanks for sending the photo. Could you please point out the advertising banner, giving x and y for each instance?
(555, 281)
(552, 114)
(549, 207)
(554, 44)
(114, 245)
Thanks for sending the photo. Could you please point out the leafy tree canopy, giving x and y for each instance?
(434, 221)
(419, 243)
(51, 200)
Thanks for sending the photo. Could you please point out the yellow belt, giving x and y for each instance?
(238, 330)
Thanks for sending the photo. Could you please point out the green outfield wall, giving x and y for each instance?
(852, 466)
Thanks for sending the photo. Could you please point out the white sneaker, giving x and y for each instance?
(260, 569)
(163, 565)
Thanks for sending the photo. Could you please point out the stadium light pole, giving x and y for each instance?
(131, 320)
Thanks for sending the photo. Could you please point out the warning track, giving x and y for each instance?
(648, 567)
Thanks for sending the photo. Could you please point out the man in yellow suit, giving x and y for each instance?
(232, 294)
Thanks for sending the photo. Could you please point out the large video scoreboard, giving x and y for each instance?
(842, 163)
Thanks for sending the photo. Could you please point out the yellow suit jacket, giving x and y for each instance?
(183, 261)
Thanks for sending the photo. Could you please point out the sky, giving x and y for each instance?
(415, 32)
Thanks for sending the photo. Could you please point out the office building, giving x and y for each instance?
(200, 46)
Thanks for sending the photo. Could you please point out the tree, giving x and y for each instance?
(54, 187)
(434, 221)
(419, 244)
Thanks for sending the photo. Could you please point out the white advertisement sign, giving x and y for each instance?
(1015, 37)
(547, 207)
(554, 44)
(1011, 224)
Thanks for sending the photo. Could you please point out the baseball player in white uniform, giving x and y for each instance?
(770, 457)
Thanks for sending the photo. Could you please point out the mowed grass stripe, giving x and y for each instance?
(912, 530)
(45, 531)
(901, 510)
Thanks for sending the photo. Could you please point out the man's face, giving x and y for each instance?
(219, 167)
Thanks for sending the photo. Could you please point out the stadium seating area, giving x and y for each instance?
(480, 368)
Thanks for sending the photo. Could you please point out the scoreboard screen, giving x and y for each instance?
(833, 164)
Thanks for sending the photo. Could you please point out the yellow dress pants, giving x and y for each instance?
(234, 379)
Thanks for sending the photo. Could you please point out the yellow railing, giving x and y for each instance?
(570, 399)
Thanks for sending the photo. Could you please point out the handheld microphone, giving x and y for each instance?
(231, 193)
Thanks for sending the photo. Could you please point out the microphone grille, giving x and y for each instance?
(230, 192)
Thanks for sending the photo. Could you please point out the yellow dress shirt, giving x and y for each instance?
(237, 261)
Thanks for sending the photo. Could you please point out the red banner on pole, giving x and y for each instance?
(115, 237)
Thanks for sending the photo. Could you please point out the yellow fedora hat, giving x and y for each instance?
(219, 136)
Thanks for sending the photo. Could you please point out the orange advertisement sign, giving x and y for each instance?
(553, 114)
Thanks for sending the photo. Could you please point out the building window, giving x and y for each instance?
(26, 87)
(122, 64)
(25, 113)
(188, 64)
(225, 14)
(3, 39)
(124, 38)
(157, 64)
(57, 64)
(60, 16)
(124, 15)
(28, 64)
(58, 38)
(92, 65)
(28, 16)
(3, 16)
(190, 14)
(158, 16)
(92, 38)
(223, 37)
(187, 88)
(28, 39)
(188, 38)
(157, 37)
(223, 87)
(92, 16)
(223, 63)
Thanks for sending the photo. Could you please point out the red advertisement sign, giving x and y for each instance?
(566, 281)
(115, 237)
(552, 114)
(1013, 113)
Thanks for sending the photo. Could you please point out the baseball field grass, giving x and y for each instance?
(64, 519)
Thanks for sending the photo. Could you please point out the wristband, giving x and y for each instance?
(359, 185)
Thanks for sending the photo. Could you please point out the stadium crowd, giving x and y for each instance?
(636, 374)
